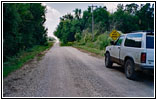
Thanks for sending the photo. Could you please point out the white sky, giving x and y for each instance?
(57, 10)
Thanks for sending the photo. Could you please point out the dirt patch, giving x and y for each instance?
(41, 54)
(20, 78)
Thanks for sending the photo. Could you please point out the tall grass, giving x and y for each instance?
(97, 46)
(18, 61)
(92, 50)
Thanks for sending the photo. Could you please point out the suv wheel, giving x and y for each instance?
(108, 62)
(129, 69)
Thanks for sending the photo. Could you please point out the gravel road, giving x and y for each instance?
(68, 72)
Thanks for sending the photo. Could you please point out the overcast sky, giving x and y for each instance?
(56, 10)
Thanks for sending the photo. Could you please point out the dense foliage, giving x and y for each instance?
(22, 27)
(131, 17)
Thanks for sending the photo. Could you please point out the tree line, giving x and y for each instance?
(128, 18)
(23, 27)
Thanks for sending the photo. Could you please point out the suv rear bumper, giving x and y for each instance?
(143, 67)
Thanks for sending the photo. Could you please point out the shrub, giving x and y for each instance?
(87, 38)
(77, 37)
(67, 44)
(90, 44)
(51, 38)
(102, 41)
(82, 42)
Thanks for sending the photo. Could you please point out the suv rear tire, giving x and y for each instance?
(129, 69)
(108, 62)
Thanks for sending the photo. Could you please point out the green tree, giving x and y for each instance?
(146, 17)
(26, 28)
(126, 19)
(23, 27)
(77, 37)
(11, 37)
(101, 19)
(132, 8)
(77, 13)
(38, 11)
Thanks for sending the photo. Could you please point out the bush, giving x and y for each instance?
(102, 41)
(82, 42)
(66, 44)
(77, 37)
(70, 43)
(90, 44)
(87, 38)
(15, 62)
(51, 38)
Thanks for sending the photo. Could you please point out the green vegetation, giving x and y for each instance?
(50, 39)
(24, 34)
(97, 47)
(89, 49)
(78, 29)
(67, 44)
(22, 57)
(23, 27)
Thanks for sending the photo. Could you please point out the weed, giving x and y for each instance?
(18, 61)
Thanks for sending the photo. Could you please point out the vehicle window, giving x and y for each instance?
(150, 42)
(119, 41)
(133, 40)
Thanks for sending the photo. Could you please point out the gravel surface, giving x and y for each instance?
(68, 72)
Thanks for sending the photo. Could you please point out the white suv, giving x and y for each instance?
(134, 51)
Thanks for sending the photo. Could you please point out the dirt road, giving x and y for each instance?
(68, 72)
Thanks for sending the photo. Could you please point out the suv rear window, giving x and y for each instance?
(133, 40)
(150, 42)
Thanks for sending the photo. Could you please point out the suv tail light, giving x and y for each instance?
(143, 57)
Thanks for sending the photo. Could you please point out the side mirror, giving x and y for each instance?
(112, 42)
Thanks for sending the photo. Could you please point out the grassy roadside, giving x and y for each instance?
(85, 48)
(96, 51)
(92, 50)
(18, 61)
